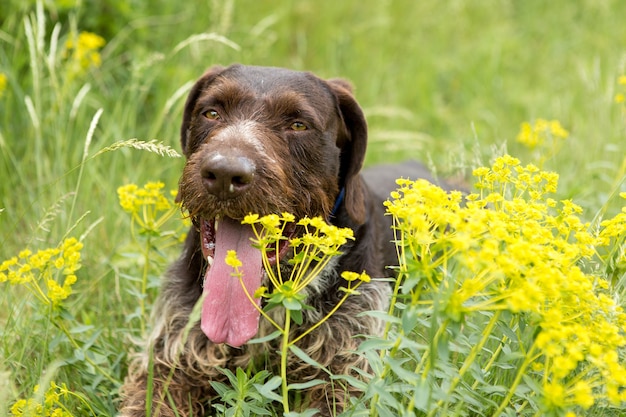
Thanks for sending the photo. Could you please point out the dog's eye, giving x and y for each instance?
(298, 126)
(212, 115)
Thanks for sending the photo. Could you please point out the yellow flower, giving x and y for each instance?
(3, 83)
(583, 395)
(49, 273)
(513, 247)
(614, 228)
(128, 201)
(148, 206)
(56, 293)
(232, 260)
(528, 136)
(83, 50)
(50, 407)
(554, 395)
(260, 292)
(542, 131)
(557, 130)
(271, 222)
(313, 248)
(250, 219)
(353, 276)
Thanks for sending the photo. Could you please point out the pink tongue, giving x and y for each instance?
(228, 316)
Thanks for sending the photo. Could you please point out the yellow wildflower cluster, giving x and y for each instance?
(312, 249)
(232, 260)
(3, 83)
(314, 243)
(148, 206)
(615, 227)
(510, 247)
(49, 274)
(541, 132)
(82, 50)
(51, 406)
(132, 198)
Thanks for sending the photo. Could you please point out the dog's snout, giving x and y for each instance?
(227, 176)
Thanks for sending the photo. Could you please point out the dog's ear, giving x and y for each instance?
(195, 92)
(353, 143)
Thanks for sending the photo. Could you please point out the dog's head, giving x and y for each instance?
(263, 140)
(305, 135)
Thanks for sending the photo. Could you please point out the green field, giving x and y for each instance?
(449, 83)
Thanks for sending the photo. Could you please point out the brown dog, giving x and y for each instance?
(265, 140)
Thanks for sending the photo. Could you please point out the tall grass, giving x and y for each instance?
(448, 83)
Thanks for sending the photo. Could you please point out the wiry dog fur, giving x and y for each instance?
(258, 114)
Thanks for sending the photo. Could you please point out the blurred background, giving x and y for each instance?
(443, 82)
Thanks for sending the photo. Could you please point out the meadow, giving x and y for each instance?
(521, 315)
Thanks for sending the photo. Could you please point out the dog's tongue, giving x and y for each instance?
(228, 316)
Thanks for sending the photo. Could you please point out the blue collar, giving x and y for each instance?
(338, 202)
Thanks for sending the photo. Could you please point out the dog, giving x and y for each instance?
(266, 140)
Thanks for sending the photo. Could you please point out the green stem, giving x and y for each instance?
(495, 355)
(530, 357)
(326, 317)
(383, 374)
(283, 361)
(394, 299)
(81, 399)
(402, 271)
(90, 133)
(470, 359)
(477, 348)
(144, 285)
(258, 308)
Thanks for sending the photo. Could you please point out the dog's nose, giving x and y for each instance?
(227, 176)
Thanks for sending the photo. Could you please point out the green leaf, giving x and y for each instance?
(276, 297)
(257, 411)
(297, 259)
(352, 381)
(376, 344)
(422, 394)
(308, 384)
(242, 380)
(396, 366)
(306, 413)
(409, 320)
(296, 316)
(81, 328)
(306, 358)
(267, 338)
(220, 388)
(292, 303)
(382, 315)
(79, 354)
(381, 387)
(267, 389)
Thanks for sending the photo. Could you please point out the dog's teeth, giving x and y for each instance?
(217, 221)
(231, 189)
(209, 259)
